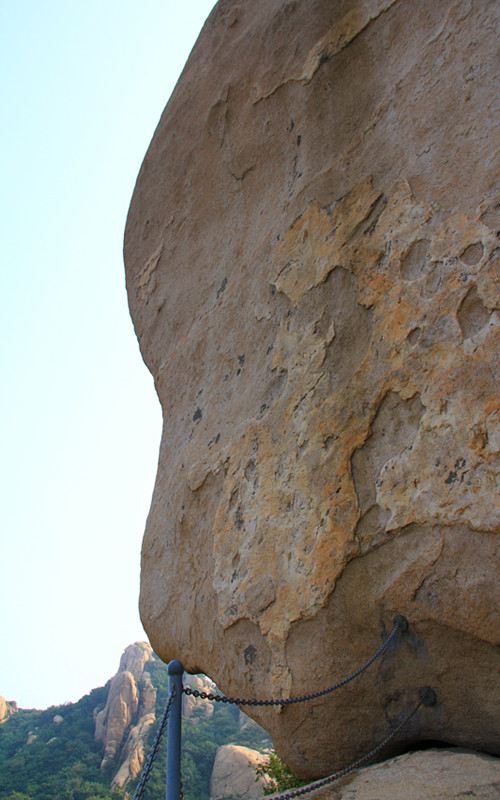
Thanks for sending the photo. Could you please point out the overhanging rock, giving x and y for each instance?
(312, 270)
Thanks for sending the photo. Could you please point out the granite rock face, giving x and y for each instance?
(125, 721)
(234, 774)
(7, 708)
(133, 753)
(313, 271)
(430, 774)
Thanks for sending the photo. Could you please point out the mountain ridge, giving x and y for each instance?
(94, 749)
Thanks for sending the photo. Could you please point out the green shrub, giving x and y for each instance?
(279, 774)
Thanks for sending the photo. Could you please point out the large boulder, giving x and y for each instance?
(430, 774)
(312, 270)
(234, 774)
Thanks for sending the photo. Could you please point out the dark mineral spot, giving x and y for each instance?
(214, 440)
(221, 288)
(250, 654)
(238, 518)
(197, 415)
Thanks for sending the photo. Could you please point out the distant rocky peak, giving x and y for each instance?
(128, 713)
(135, 657)
(7, 708)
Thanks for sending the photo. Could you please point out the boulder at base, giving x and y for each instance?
(234, 774)
(312, 269)
(425, 775)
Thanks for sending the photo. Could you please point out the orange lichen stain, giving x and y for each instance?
(491, 406)
(313, 246)
(296, 519)
(373, 289)
(395, 321)
(478, 439)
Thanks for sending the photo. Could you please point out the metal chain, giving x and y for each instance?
(335, 776)
(148, 764)
(400, 624)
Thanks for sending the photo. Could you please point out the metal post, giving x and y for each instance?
(175, 671)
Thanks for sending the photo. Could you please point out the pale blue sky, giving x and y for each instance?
(83, 84)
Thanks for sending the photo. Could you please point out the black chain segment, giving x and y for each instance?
(341, 773)
(148, 764)
(400, 625)
(427, 697)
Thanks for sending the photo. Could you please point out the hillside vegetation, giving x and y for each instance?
(53, 755)
(42, 760)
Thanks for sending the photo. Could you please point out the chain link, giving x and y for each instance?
(400, 624)
(148, 764)
(335, 776)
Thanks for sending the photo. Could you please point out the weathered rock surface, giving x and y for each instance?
(7, 708)
(425, 775)
(234, 774)
(312, 270)
(124, 722)
(133, 753)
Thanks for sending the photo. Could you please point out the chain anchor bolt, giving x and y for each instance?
(401, 622)
(427, 696)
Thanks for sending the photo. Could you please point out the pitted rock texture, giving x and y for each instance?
(312, 269)
(425, 775)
